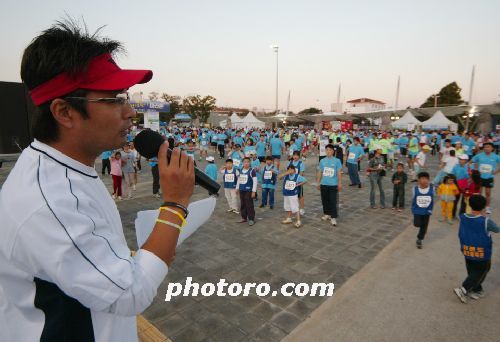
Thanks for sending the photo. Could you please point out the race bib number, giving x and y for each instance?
(290, 185)
(268, 174)
(203, 142)
(485, 168)
(424, 201)
(236, 162)
(243, 178)
(229, 178)
(328, 172)
(351, 156)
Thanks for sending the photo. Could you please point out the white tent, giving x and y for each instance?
(234, 118)
(249, 121)
(439, 121)
(405, 120)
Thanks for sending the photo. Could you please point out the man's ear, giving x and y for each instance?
(62, 113)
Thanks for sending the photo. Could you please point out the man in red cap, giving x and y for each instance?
(66, 271)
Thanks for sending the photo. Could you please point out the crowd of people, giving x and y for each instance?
(275, 158)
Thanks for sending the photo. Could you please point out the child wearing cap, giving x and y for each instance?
(476, 245)
(419, 162)
(230, 179)
(211, 168)
(422, 205)
(291, 182)
(299, 169)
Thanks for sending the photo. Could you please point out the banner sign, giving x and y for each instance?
(152, 105)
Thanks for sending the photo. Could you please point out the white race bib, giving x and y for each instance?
(203, 142)
(236, 162)
(351, 156)
(229, 177)
(268, 174)
(485, 168)
(290, 185)
(424, 201)
(328, 172)
(243, 178)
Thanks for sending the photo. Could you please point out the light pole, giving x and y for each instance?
(435, 100)
(275, 48)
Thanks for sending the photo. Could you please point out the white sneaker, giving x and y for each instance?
(302, 211)
(133, 187)
(287, 220)
(119, 198)
(157, 195)
(236, 211)
(333, 222)
(488, 210)
(114, 196)
(461, 294)
(298, 224)
(230, 210)
(325, 217)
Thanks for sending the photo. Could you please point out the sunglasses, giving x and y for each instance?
(121, 98)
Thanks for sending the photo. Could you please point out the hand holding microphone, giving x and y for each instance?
(150, 144)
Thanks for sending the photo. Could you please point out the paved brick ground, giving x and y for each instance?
(267, 252)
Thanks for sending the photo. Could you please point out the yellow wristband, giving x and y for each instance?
(183, 220)
(168, 223)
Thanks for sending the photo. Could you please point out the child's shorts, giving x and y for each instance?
(291, 203)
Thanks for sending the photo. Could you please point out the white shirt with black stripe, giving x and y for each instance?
(66, 273)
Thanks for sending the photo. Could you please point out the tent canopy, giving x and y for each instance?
(404, 121)
(234, 118)
(439, 121)
(249, 121)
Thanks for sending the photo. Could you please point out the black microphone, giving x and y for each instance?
(148, 144)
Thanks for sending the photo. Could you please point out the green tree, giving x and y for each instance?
(199, 107)
(311, 110)
(174, 101)
(449, 95)
(153, 96)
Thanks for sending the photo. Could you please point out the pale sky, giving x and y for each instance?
(222, 48)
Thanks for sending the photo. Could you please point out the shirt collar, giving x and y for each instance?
(63, 159)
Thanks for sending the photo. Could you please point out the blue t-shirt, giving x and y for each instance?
(460, 172)
(221, 137)
(330, 168)
(468, 146)
(355, 152)
(486, 165)
(276, 146)
(403, 142)
(269, 174)
(106, 154)
(261, 149)
(238, 140)
(299, 166)
(211, 171)
(153, 161)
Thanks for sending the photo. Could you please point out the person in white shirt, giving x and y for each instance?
(66, 272)
(447, 165)
(419, 162)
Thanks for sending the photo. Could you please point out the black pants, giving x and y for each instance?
(106, 164)
(221, 150)
(421, 222)
(156, 179)
(399, 196)
(455, 205)
(329, 196)
(476, 273)
(247, 209)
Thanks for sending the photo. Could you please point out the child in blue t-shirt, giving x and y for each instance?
(211, 168)
(269, 174)
(422, 204)
(291, 182)
(476, 246)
